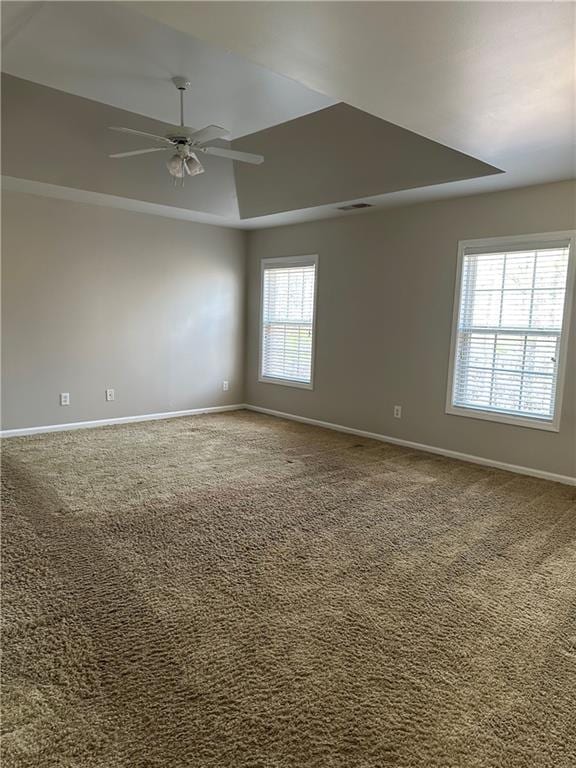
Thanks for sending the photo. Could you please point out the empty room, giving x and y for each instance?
(288, 413)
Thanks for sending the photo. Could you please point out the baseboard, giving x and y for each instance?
(420, 446)
(119, 420)
(293, 417)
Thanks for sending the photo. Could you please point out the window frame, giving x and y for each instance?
(288, 261)
(499, 244)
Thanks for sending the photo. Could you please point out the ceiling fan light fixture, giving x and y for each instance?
(181, 166)
(193, 165)
(175, 165)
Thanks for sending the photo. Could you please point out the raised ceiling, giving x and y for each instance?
(496, 80)
(491, 81)
(310, 161)
(113, 54)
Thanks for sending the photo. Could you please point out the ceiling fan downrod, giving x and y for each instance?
(182, 84)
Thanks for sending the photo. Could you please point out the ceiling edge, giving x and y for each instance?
(43, 189)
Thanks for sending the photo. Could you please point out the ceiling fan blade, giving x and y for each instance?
(209, 133)
(140, 152)
(163, 139)
(232, 154)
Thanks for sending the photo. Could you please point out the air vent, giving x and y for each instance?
(355, 206)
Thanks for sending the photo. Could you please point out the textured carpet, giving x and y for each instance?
(235, 591)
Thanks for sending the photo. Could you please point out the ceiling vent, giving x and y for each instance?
(355, 206)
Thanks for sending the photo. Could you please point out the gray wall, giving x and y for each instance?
(95, 297)
(385, 294)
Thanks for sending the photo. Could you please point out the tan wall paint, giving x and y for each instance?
(385, 296)
(95, 298)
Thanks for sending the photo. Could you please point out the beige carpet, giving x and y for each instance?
(234, 591)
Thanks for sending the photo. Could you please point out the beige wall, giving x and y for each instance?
(385, 294)
(95, 297)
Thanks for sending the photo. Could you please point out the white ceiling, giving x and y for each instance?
(113, 54)
(495, 80)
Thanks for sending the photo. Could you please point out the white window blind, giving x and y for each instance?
(287, 333)
(509, 330)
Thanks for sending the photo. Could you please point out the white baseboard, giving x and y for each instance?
(315, 422)
(119, 420)
(421, 446)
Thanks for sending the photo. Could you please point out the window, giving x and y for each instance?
(287, 320)
(509, 339)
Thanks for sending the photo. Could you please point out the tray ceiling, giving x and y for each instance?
(76, 68)
(113, 54)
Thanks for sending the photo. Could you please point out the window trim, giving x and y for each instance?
(288, 261)
(499, 244)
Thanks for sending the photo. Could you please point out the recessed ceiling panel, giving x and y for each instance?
(342, 153)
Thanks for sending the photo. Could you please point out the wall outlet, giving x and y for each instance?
(64, 398)
(109, 395)
(225, 386)
(397, 411)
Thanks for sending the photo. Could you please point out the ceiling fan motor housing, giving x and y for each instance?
(183, 148)
(181, 83)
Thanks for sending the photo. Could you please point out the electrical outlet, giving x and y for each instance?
(397, 411)
(225, 386)
(64, 398)
(110, 395)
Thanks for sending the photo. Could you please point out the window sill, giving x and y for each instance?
(504, 418)
(286, 382)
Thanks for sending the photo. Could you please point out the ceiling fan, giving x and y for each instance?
(186, 143)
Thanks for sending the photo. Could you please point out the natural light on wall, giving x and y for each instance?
(287, 320)
(509, 340)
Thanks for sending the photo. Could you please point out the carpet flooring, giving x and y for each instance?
(237, 591)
